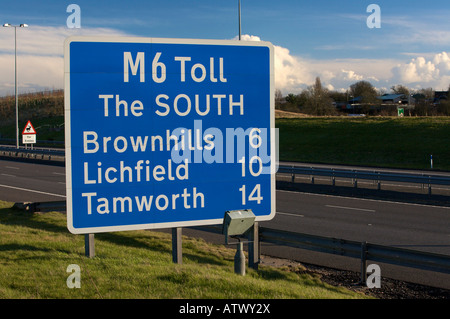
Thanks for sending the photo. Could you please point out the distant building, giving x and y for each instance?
(391, 98)
(388, 99)
(355, 100)
(385, 101)
(396, 99)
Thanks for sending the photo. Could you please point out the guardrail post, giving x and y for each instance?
(177, 253)
(378, 182)
(363, 263)
(333, 178)
(89, 247)
(292, 175)
(355, 180)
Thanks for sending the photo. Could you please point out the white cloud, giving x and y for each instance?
(40, 40)
(351, 75)
(416, 70)
(248, 37)
(34, 73)
(442, 61)
(337, 74)
(40, 61)
(419, 71)
(293, 73)
(40, 64)
(414, 31)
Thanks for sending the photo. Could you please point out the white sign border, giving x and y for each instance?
(68, 153)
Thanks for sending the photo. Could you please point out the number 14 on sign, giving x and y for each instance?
(255, 194)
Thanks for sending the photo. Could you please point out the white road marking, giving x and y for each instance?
(289, 214)
(351, 208)
(365, 199)
(56, 173)
(31, 190)
(9, 175)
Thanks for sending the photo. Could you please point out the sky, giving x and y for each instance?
(342, 42)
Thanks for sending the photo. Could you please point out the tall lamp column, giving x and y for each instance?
(7, 25)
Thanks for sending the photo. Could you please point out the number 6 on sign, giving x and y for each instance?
(258, 198)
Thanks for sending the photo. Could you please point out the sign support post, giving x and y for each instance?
(89, 247)
(253, 247)
(177, 252)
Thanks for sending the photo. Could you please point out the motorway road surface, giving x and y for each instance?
(405, 225)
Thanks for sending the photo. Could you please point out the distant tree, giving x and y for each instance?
(301, 99)
(291, 98)
(428, 93)
(423, 108)
(278, 98)
(290, 103)
(381, 91)
(318, 101)
(400, 89)
(365, 90)
(338, 96)
(443, 107)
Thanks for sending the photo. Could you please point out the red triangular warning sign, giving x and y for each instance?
(29, 129)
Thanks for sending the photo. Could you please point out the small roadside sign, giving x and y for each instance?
(29, 134)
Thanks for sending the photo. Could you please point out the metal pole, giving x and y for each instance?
(15, 84)
(239, 20)
(89, 247)
(363, 263)
(253, 247)
(239, 259)
(23, 25)
(177, 253)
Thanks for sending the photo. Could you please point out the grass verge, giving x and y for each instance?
(394, 142)
(36, 249)
(370, 141)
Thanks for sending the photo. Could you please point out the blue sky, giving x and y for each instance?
(329, 39)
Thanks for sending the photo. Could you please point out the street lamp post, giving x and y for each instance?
(239, 18)
(7, 25)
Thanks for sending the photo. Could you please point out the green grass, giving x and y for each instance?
(47, 128)
(371, 141)
(36, 249)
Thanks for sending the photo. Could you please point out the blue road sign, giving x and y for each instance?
(167, 133)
